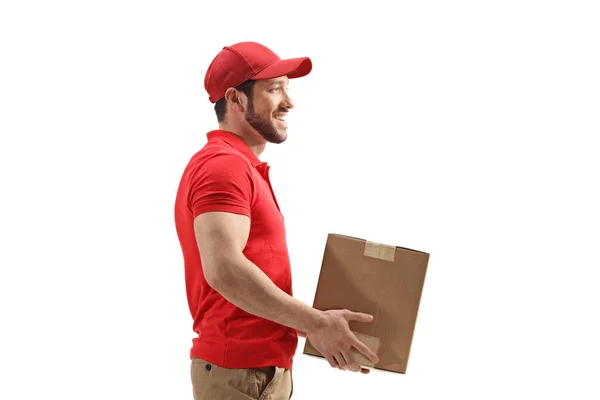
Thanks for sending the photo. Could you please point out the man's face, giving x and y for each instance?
(268, 107)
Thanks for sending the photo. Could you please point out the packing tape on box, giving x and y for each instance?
(380, 251)
(371, 342)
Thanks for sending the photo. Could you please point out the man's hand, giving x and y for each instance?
(334, 339)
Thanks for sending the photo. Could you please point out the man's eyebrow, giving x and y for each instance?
(278, 82)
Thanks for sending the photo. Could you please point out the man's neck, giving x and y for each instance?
(250, 138)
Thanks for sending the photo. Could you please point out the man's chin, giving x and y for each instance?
(283, 135)
(280, 137)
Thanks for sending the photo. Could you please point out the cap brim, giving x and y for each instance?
(292, 68)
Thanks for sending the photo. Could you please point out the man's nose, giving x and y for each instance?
(288, 101)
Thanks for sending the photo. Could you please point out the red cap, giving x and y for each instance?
(249, 60)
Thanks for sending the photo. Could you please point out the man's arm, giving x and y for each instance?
(221, 239)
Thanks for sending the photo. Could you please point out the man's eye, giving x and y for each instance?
(275, 89)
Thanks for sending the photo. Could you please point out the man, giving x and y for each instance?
(232, 234)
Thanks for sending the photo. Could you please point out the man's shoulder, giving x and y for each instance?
(219, 159)
(217, 154)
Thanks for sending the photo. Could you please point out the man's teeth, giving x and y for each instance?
(280, 118)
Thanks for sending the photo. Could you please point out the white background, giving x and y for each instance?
(466, 129)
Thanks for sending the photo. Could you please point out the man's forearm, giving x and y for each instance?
(242, 283)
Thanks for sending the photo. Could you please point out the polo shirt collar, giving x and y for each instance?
(237, 143)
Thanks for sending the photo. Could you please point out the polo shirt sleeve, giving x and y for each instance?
(222, 183)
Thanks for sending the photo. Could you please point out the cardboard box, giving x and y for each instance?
(381, 280)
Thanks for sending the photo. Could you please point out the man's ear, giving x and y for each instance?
(236, 99)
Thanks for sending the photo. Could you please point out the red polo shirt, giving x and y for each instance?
(226, 176)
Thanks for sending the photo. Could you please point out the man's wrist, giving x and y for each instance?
(315, 321)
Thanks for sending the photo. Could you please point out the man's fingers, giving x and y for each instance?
(360, 346)
(352, 364)
(341, 361)
(331, 361)
(359, 317)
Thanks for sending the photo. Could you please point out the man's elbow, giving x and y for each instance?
(213, 277)
(218, 275)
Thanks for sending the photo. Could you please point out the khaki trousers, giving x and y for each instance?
(211, 382)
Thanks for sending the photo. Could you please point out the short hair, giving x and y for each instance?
(221, 105)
